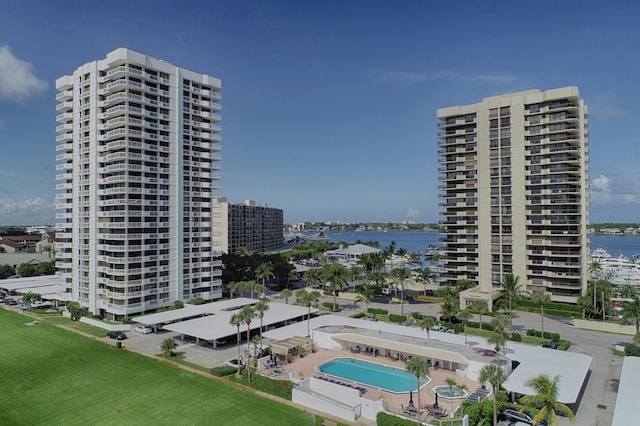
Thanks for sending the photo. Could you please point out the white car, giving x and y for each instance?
(233, 363)
(143, 329)
(441, 328)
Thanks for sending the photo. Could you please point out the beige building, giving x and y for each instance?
(257, 227)
(137, 159)
(514, 171)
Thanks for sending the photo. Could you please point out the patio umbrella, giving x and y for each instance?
(410, 397)
(436, 404)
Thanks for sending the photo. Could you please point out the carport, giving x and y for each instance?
(284, 346)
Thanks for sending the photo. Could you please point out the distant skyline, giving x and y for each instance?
(329, 108)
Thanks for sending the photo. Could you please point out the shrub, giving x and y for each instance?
(329, 306)
(397, 318)
(378, 311)
(632, 350)
(357, 315)
(417, 315)
(564, 345)
(554, 337)
(279, 388)
(223, 371)
(516, 337)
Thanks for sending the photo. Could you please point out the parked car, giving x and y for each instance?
(233, 363)
(143, 329)
(550, 345)
(439, 328)
(118, 335)
(513, 414)
(11, 302)
(452, 319)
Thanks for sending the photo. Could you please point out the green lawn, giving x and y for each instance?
(52, 376)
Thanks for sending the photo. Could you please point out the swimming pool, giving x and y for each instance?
(371, 374)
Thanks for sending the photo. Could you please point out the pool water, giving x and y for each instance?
(370, 374)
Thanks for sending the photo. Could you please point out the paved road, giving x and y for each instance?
(597, 402)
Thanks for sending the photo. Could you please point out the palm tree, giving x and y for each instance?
(337, 276)
(306, 298)
(595, 267)
(631, 313)
(540, 297)
(545, 399)
(465, 315)
(232, 287)
(263, 272)
(451, 382)
(366, 295)
(286, 293)
(420, 369)
(248, 314)
(478, 307)
(427, 276)
(400, 275)
(499, 340)
(426, 323)
(260, 308)
(236, 319)
(167, 347)
(355, 274)
(314, 277)
(495, 376)
(510, 290)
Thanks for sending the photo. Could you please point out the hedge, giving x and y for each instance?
(223, 371)
(378, 311)
(548, 306)
(279, 388)
(357, 315)
(555, 312)
(397, 318)
(329, 306)
(554, 337)
(564, 345)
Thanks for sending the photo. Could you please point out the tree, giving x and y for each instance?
(26, 270)
(314, 277)
(464, 284)
(427, 276)
(465, 315)
(510, 290)
(264, 272)
(6, 271)
(400, 275)
(49, 249)
(450, 301)
(478, 307)
(336, 275)
(46, 268)
(31, 297)
(307, 298)
(419, 368)
(451, 382)
(631, 313)
(167, 347)
(178, 304)
(260, 308)
(286, 293)
(426, 323)
(540, 298)
(366, 294)
(595, 268)
(247, 314)
(545, 399)
(232, 287)
(498, 340)
(236, 319)
(495, 376)
(197, 301)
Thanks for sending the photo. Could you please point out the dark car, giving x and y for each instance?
(118, 335)
(550, 345)
(11, 302)
(452, 319)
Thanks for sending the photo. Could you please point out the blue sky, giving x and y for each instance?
(329, 107)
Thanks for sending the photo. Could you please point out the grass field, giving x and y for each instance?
(55, 377)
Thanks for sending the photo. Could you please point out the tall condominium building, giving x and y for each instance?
(514, 192)
(138, 150)
(257, 227)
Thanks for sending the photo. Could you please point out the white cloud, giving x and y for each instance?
(601, 183)
(605, 106)
(27, 212)
(17, 81)
(413, 212)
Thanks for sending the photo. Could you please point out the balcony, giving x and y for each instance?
(64, 96)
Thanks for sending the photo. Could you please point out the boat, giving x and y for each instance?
(600, 254)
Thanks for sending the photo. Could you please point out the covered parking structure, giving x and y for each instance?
(189, 312)
(49, 287)
(216, 327)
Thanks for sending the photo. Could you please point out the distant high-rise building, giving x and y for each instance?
(514, 192)
(256, 227)
(138, 150)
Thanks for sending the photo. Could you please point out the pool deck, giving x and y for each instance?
(306, 367)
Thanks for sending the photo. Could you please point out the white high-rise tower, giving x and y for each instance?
(137, 154)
